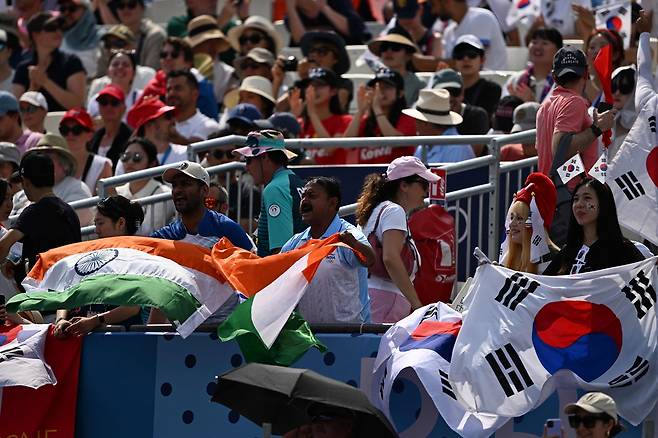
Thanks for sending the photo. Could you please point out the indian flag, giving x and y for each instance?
(176, 277)
(275, 284)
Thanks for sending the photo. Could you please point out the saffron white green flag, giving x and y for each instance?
(523, 335)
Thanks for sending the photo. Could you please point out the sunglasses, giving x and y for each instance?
(454, 92)
(169, 54)
(254, 38)
(320, 50)
(29, 109)
(588, 421)
(131, 4)
(219, 154)
(395, 47)
(470, 54)
(108, 101)
(75, 130)
(249, 65)
(68, 9)
(136, 157)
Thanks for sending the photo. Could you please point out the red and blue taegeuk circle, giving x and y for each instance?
(614, 23)
(580, 336)
(437, 336)
(522, 4)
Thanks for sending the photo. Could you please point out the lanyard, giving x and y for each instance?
(165, 155)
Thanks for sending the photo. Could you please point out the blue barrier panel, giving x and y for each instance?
(159, 385)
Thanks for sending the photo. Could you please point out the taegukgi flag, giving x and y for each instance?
(22, 357)
(423, 342)
(524, 334)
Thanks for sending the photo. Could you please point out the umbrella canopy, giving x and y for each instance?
(291, 397)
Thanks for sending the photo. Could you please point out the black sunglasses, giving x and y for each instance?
(423, 182)
(75, 130)
(588, 421)
(219, 154)
(105, 101)
(29, 109)
(170, 54)
(391, 46)
(254, 38)
(130, 4)
(320, 50)
(136, 157)
(68, 9)
(470, 54)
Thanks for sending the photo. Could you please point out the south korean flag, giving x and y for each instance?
(571, 168)
(525, 335)
(616, 17)
(633, 176)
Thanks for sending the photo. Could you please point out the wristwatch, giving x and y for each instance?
(595, 130)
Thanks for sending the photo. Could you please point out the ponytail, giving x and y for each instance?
(376, 189)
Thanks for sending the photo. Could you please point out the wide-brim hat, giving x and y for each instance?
(310, 38)
(56, 143)
(204, 28)
(254, 84)
(260, 142)
(375, 45)
(257, 54)
(255, 22)
(433, 106)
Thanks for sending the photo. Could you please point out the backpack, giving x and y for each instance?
(408, 254)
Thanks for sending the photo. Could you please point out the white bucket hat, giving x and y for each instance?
(255, 84)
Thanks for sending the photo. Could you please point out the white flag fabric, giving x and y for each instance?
(22, 361)
(616, 17)
(558, 14)
(600, 168)
(523, 9)
(538, 242)
(633, 176)
(524, 335)
(571, 168)
(423, 342)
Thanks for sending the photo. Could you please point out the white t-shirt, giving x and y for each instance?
(199, 126)
(392, 217)
(157, 215)
(484, 25)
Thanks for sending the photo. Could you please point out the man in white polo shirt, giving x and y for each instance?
(182, 93)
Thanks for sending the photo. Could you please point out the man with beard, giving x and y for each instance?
(182, 93)
(196, 224)
(339, 290)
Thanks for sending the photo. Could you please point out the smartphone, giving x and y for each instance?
(553, 428)
(603, 107)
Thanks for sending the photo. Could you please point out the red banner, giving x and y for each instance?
(47, 412)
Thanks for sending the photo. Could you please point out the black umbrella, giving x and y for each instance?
(288, 398)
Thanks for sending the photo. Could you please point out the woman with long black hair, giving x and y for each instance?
(594, 239)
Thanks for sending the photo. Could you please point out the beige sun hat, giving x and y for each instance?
(57, 144)
(375, 45)
(204, 28)
(594, 403)
(433, 106)
(255, 84)
(255, 22)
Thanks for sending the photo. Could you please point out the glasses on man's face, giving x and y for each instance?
(588, 421)
(108, 101)
(127, 156)
(320, 50)
(130, 4)
(28, 109)
(173, 54)
(254, 38)
(75, 130)
(395, 47)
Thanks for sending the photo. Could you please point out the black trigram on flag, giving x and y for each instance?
(629, 184)
(652, 123)
(536, 240)
(631, 375)
(515, 289)
(381, 384)
(446, 386)
(509, 370)
(640, 293)
(12, 352)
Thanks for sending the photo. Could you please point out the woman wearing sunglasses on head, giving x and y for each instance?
(77, 129)
(141, 154)
(594, 415)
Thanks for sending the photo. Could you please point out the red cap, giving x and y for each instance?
(542, 188)
(147, 110)
(79, 116)
(113, 91)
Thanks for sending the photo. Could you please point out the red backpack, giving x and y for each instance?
(433, 231)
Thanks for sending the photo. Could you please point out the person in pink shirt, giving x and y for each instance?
(565, 111)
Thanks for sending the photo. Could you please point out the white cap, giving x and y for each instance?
(594, 403)
(193, 170)
(34, 98)
(471, 40)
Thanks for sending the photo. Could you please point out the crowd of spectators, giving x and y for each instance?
(125, 94)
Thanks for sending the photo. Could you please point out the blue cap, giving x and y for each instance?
(245, 112)
(8, 102)
(287, 123)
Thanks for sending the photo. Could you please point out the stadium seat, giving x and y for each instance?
(51, 122)
(160, 11)
(517, 58)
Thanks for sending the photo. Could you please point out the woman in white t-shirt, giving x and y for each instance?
(382, 211)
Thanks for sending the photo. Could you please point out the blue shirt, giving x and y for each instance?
(345, 256)
(214, 225)
(447, 153)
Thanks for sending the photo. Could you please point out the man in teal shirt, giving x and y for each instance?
(267, 160)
